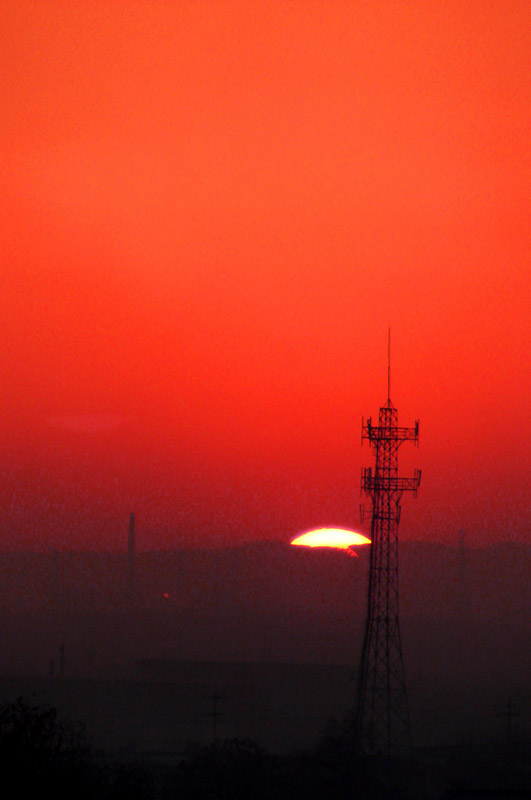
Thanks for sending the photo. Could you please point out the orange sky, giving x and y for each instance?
(211, 213)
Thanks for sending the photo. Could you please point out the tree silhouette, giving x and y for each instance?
(39, 751)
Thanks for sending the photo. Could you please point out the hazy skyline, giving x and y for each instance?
(212, 213)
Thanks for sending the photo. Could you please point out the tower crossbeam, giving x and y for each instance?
(374, 484)
(395, 435)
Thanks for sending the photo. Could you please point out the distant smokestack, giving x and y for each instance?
(465, 604)
(61, 660)
(131, 578)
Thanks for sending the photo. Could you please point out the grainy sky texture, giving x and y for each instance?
(211, 213)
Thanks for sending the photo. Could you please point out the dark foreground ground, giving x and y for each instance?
(43, 753)
(285, 708)
(236, 730)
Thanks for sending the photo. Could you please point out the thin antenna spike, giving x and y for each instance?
(389, 364)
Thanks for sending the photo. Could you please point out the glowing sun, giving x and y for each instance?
(332, 537)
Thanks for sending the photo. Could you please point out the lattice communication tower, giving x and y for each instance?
(382, 718)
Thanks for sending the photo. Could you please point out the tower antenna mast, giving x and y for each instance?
(382, 716)
(389, 364)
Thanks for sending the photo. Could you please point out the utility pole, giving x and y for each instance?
(509, 714)
(215, 714)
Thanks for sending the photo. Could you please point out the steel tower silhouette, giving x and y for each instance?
(382, 717)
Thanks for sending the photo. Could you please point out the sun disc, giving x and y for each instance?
(331, 537)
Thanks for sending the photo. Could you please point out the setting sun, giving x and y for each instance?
(332, 537)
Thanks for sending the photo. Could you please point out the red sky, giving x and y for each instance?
(211, 213)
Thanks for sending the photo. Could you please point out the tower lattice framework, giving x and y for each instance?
(382, 718)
